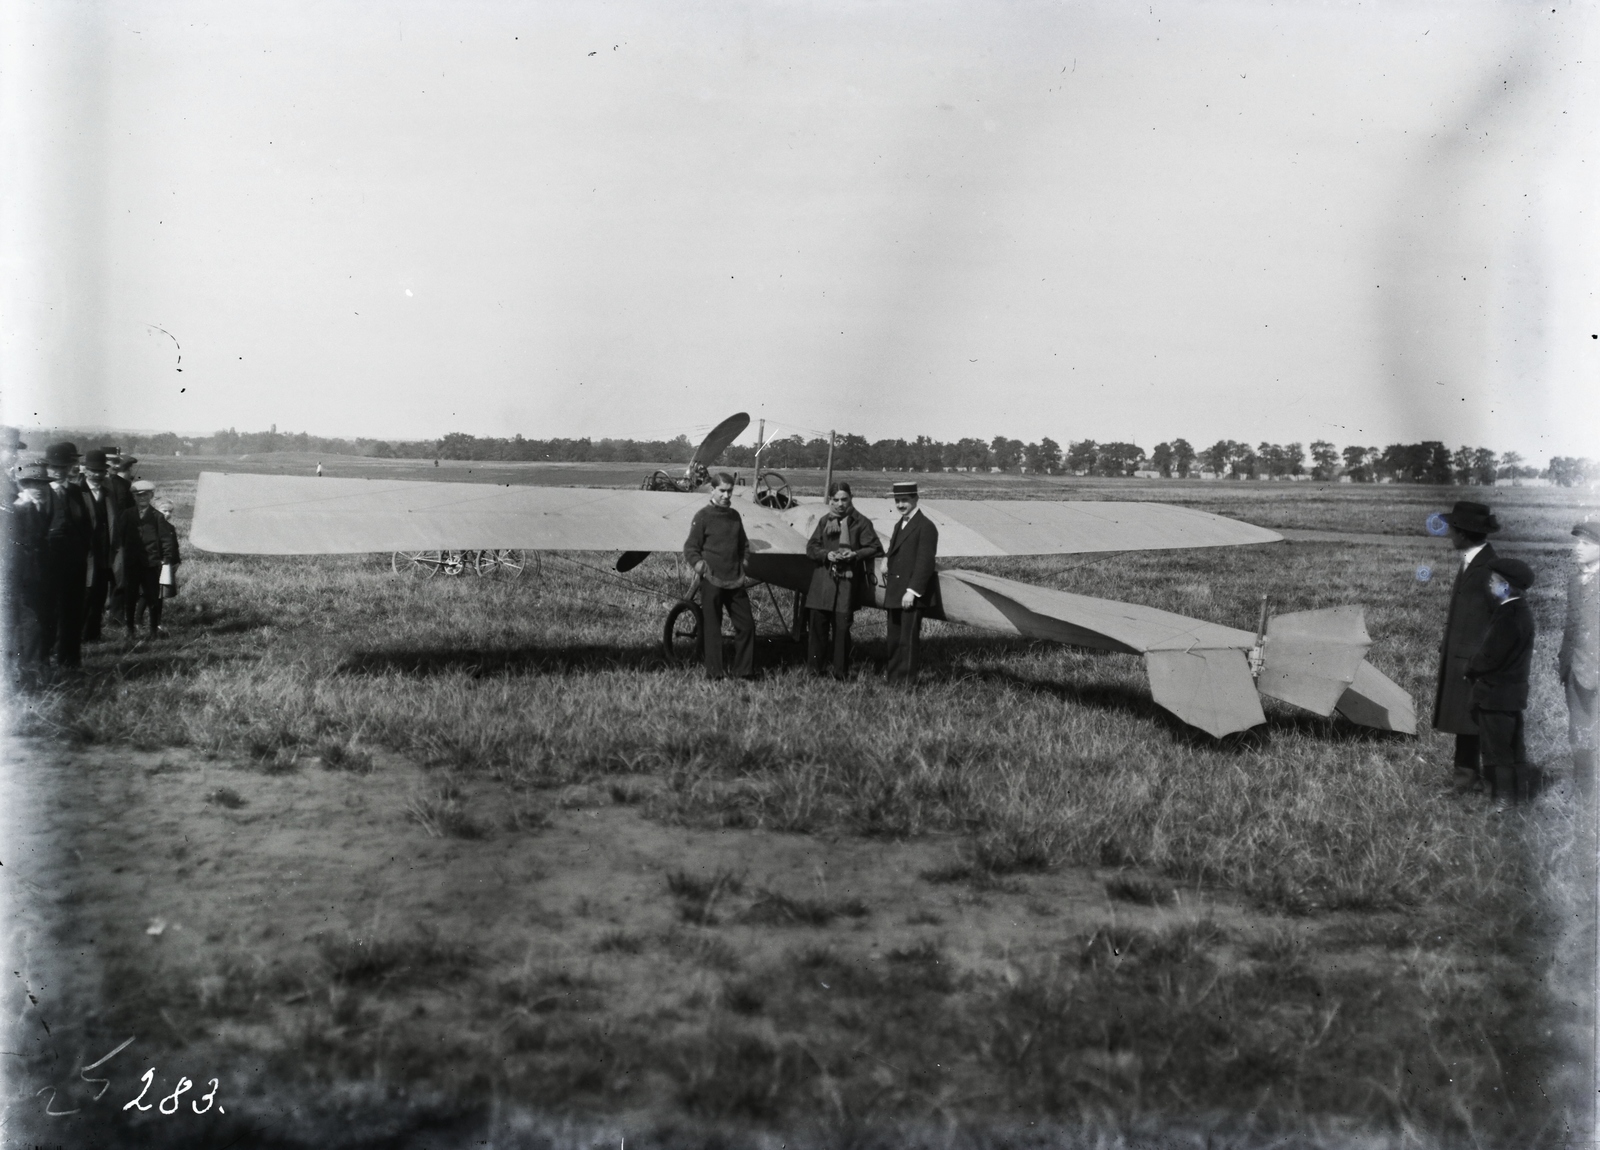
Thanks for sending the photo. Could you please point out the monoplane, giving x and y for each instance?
(1210, 676)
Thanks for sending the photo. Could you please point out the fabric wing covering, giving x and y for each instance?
(300, 515)
(1198, 670)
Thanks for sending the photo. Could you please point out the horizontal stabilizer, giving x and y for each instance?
(1374, 700)
(1209, 689)
(1309, 658)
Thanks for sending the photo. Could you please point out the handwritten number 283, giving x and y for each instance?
(183, 1084)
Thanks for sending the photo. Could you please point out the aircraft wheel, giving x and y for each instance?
(454, 563)
(417, 564)
(501, 564)
(680, 638)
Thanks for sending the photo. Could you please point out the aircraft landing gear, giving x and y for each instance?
(680, 638)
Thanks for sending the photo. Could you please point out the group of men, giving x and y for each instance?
(842, 548)
(81, 535)
(1487, 654)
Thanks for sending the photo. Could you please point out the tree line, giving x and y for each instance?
(1430, 461)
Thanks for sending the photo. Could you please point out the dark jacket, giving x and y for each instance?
(1499, 669)
(148, 541)
(26, 527)
(912, 548)
(845, 587)
(1579, 658)
(1465, 627)
(67, 535)
(716, 534)
(105, 530)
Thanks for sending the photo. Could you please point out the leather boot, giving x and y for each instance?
(1505, 788)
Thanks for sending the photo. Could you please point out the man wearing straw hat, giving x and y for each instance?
(1467, 623)
(912, 589)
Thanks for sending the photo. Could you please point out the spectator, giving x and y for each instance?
(149, 552)
(1498, 672)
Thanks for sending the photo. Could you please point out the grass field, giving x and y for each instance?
(456, 862)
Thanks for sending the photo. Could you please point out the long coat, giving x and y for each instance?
(1579, 659)
(828, 592)
(912, 548)
(148, 541)
(1499, 668)
(1465, 627)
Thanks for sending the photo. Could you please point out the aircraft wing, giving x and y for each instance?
(983, 527)
(301, 515)
(1198, 670)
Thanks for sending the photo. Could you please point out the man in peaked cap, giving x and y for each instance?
(1466, 624)
(912, 587)
(28, 602)
(1498, 672)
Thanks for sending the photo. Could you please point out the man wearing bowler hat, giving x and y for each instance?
(912, 588)
(67, 543)
(104, 536)
(1467, 623)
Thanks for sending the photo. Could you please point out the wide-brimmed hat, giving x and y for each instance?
(1513, 571)
(1473, 517)
(1588, 529)
(905, 488)
(61, 454)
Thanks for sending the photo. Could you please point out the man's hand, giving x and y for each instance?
(908, 600)
(701, 567)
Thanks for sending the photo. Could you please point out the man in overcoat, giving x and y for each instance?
(27, 522)
(1498, 672)
(912, 589)
(148, 543)
(1579, 659)
(842, 546)
(104, 540)
(67, 543)
(1467, 623)
(716, 549)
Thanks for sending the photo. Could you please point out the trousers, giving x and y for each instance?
(829, 629)
(737, 602)
(905, 645)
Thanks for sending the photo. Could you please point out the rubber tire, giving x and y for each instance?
(681, 644)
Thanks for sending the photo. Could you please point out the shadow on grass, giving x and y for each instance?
(482, 662)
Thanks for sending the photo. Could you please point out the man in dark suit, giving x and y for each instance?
(67, 542)
(1578, 661)
(104, 537)
(1467, 623)
(1498, 671)
(912, 588)
(28, 600)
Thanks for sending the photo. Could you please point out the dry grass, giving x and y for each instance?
(1033, 757)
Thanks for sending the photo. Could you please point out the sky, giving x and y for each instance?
(1367, 223)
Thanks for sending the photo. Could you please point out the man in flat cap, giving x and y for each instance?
(912, 588)
(148, 544)
(67, 545)
(1579, 658)
(1498, 672)
(1467, 623)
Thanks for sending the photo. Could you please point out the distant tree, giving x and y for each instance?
(1215, 457)
(927, 454)
(1243, 463)
(1294, 458)
(1570, 471)
(1049, 455)
(1324, 460)
(1511, 465)
(1081, 456)
(1161, 459)
(1356, 464)
(1182, 457)
(1006, 454)
(1118, 459)
(1439, 470)
(1272, 460)
(1485, 464)
(1461, 464)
